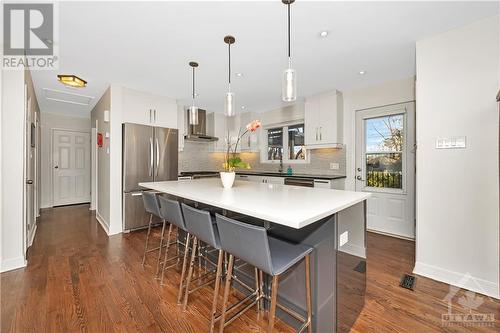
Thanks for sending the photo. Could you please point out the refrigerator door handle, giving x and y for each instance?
(150, 173)
(157, 156)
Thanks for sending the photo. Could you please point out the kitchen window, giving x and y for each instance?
(284, 142)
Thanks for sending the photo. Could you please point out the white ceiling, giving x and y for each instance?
(147, 46)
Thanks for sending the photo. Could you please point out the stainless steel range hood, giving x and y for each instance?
(199, 132)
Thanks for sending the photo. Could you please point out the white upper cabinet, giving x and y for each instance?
(181, 125)
(323, 120)
(148, 109)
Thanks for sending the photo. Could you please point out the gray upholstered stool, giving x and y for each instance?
(201, 225)
(171, 211)
(270, 255)
(152, 206)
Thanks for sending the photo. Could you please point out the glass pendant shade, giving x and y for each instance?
(229, 107)
(289, 85)
(193, 115)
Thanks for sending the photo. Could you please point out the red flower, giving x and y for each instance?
(253, 125)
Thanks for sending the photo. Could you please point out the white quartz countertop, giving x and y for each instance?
(291, 206)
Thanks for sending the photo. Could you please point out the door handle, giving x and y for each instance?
(359, 169)
(360, 179)
(29, 182)
(157, 155)
(56, 167)
(150, 173)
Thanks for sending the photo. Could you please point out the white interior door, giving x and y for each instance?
(29, 175)
(385, 166)
(71, 163)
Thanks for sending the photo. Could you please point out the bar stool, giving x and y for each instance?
(171, 211)
(273, 256)
(201, 225)
(152, 206)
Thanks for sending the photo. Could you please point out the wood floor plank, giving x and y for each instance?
(80, 280)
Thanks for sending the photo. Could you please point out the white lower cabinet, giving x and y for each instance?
(261, 179)
(336, 184)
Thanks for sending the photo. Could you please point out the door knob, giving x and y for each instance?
(56, 167)
(359, 169)
(359, 178)
(29, 182)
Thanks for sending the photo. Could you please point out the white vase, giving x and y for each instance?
(227, 179)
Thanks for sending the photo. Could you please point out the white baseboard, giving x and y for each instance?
(460, 280)
(102, 222)
(11, 264)
(32, 236)
(390, 235)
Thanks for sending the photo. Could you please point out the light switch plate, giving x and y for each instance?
(344, 238)
(451, 142)
(334, 166)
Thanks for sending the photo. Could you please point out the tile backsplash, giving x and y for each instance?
(197, 157)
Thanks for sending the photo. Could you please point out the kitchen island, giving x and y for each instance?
(331, 221)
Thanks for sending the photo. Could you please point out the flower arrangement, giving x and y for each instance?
(231, 160)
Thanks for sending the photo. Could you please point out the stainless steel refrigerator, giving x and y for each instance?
(149, 154)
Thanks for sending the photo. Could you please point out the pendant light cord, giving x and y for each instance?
(229, 59)
(193, 83)
(288, 30)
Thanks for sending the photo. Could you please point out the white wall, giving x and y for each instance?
(48, 122)
(457, 190)
(12, 141)
(386, 93)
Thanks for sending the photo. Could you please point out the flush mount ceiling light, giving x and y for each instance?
(229, 107)
(323, 34)
(243, 107)
(289, 84)
(193, 110)
(72, 81)
(362, 72)
(239, 74)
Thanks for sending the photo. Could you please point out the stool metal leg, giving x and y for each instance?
(166, 250)
(216, 289)
(183, 272)
(308, 292)
(147, 239)
(257, 287)
(161, 246)
(190, 273)
(227, 288)
(272, 310)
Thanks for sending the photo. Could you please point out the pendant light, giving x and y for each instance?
(289, 84)
(193, 110)
(229, 106)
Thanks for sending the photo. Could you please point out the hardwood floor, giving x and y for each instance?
(78, 279)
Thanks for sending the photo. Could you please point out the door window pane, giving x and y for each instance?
(296, 149)
(384, 133)
(384, 151)
(384, 170)
(274, 143)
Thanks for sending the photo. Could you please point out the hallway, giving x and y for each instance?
(78, 279)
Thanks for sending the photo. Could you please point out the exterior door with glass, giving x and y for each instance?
(385, 167)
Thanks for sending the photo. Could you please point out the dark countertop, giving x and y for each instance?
(284, 174)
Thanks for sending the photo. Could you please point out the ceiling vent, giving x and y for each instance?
(66, 97)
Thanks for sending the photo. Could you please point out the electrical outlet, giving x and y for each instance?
(344, 238)
(334, 166)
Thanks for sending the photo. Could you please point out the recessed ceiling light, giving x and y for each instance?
(362, 72)
(239, 74)
(196, 95)
(243, 107)
(323, 34)
(72, 80)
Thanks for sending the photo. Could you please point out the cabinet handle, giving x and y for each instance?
(150, 116)
(321, 134)
(316, 134)
(154, 115)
